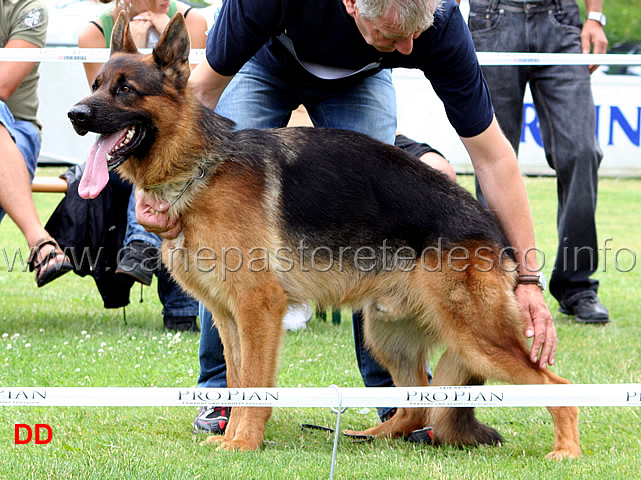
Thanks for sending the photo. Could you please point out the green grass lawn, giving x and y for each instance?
(61, 335)
(623, 20)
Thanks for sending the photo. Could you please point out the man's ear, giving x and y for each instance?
(350, 6)
(121, 39)
(171, 53)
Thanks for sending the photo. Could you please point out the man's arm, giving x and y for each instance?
(498, 172)
(208, 84)
(13, 73)
(593, 38)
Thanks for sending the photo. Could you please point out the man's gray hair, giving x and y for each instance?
(411, 15)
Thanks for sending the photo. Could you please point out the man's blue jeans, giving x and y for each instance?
(257, 99)
(563, 100)
(27, 138)
(175, 301)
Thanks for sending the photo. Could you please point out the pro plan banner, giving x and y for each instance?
(613, 395)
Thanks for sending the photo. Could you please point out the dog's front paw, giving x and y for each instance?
(563, 453)
(237, 445)
(211, 440)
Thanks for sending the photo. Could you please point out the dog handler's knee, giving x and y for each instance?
(439, 162)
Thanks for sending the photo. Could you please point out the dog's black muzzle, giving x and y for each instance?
(79, 116)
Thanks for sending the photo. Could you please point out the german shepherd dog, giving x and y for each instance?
(320, 215)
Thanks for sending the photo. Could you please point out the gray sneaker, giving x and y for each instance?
(212, 420)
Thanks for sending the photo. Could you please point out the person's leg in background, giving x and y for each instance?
(563, 100)
(213, 374)
(368, 106)
(179, 309)
(20, 143)
(497, 29)
(562, 94)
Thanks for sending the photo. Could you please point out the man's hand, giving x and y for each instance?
(593, 40)
(538, 324)
(152, 215)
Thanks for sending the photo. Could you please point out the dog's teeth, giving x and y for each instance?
(108, 156)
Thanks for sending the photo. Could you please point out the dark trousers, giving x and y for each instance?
(563, 100)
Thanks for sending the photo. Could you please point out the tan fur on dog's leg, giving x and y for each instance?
(458, 426)
(494, 348)
(405, 359)
(259, 330)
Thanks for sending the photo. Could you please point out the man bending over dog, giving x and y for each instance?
(266, 57)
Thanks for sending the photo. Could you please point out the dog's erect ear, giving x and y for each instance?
(172, 51)
(121, 39)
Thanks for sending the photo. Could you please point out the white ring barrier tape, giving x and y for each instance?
(72, 54)
(100, 55)
(603, 395)
(516, 58)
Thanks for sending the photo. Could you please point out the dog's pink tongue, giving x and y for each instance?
(96, 174)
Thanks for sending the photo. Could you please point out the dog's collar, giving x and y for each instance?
(197, 176)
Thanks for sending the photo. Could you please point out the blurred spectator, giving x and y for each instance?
(563, 100)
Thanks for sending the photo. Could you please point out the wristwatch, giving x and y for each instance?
(537, 279)
(597, 16)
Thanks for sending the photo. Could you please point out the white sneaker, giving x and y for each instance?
(297, 316)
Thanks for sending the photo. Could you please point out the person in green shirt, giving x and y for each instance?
(24, 25)
(140, 257)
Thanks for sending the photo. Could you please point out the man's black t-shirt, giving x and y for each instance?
(293, 38)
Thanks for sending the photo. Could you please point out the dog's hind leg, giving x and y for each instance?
(485, 339)
(458, 426)
(515, 368)
(401, 348)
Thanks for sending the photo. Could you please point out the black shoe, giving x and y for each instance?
(420, 435)
(212, 420)
(586, 309)
(181, 324)
(139, 260)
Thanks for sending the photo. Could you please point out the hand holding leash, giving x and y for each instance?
(152, 215)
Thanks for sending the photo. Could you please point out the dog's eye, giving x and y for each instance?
(123, 87)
